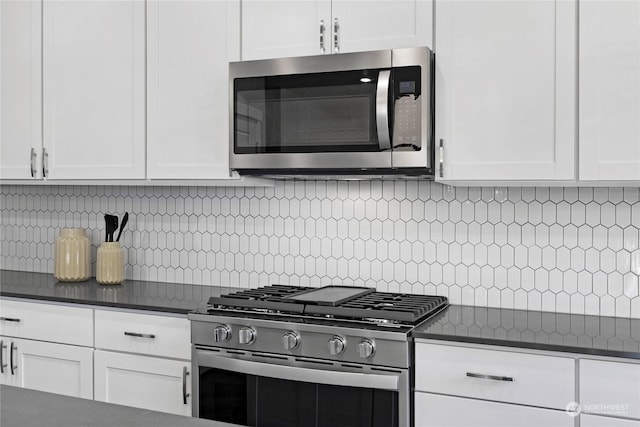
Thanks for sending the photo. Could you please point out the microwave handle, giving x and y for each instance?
(382, 109)
(295, 373)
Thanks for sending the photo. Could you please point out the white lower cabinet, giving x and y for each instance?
(469, 385)
(144, 382)
(610, 389)
(599, 421)
(434, 410)
(55, 368)
(499, 375)
(47, 347)
(51, 367)
(143, 360)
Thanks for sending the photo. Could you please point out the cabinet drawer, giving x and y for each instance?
(47, 322)
(598, 421)
(505, 376)
(151, 334)
(446, 411)
(610, 388)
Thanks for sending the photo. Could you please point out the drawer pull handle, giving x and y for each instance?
(10, 319)
(135, 334)
(489, 377)
(185, 395)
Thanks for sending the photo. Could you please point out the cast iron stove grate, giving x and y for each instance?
(264, 298)
(405, 308)
(387, 306)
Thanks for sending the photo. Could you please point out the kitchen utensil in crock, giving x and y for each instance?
(125, 219)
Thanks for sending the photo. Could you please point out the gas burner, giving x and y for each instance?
(333, 302)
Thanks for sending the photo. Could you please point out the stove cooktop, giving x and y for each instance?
(339, 302)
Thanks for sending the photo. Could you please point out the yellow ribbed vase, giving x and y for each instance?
(72, 256)
(110, 264)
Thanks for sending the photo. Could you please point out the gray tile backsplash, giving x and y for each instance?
(570, 250)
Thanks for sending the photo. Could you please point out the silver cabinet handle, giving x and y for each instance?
(322, 36)
(489, 377)
(45, 163)
(441, 158)
(185, 372)
(32, 161)
(12, 366)
(336, 36)
(136, 334)
(2, 364)
(10, 319)
(382, 110)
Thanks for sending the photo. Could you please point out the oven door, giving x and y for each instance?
(280, 391)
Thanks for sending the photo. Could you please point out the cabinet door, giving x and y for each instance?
(20, 89)
(5, 353)
(610, 388)
(94, 89)
(55, 368)
(505, 89)
(374, 25)
(273, 29)
(190, 45)
(598, 421)
(143, 382)
(610, 90)
(434, 410)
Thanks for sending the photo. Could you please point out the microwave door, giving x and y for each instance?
(322, 121)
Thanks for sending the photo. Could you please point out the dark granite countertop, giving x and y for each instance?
(31, 408)
(139, 295)
(574, 333)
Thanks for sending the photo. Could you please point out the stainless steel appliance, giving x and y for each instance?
(365, 113)
(292, 356)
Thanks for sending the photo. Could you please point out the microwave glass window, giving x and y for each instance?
(306, 113)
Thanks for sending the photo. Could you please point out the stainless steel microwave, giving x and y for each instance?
(354, 114)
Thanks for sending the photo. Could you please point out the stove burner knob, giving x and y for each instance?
(336, 345)
(247, 335)
(221, 333)
(290, 340)
(366, 348)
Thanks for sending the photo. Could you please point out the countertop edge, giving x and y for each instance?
(79, 302)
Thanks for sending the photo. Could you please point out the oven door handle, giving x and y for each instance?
(295, 373)
(382, 109)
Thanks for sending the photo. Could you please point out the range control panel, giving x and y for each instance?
(324, 342)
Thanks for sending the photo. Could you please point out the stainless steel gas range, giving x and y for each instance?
(290, 356)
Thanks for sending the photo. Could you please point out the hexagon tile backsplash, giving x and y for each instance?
(570, 250)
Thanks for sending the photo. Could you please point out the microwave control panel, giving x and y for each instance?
(407, 111)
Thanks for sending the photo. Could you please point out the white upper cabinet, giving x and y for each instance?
(273, 29)
(189, 48)
(20, 89)
(505, 90)
(94, 89)
(373, 25)
(609, 91)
